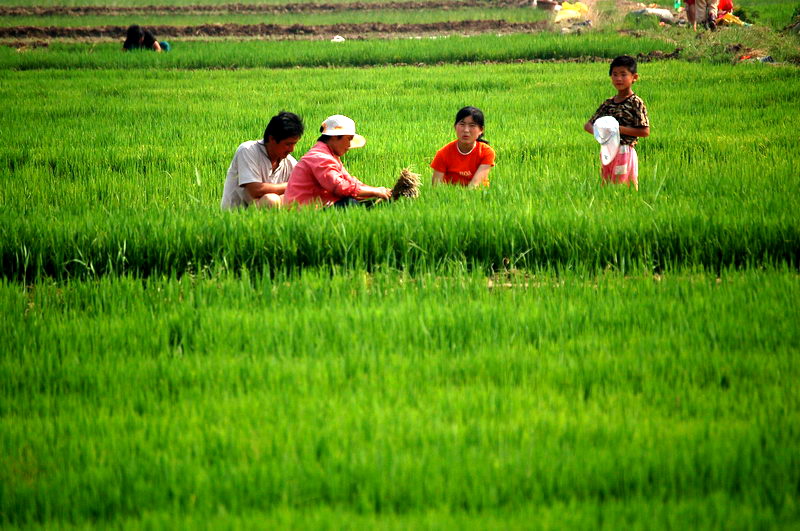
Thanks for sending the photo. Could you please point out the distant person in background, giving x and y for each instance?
(705, 13)
(724, 7)
(260, 169)
(321, 178)
(467, 159)
(139, 39)
(690, 14)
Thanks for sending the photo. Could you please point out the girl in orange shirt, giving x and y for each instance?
(468, 159)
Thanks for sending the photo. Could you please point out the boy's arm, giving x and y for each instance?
(601, 111)
(641, 132)
(641, 128)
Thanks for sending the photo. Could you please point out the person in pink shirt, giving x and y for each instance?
(320, 177)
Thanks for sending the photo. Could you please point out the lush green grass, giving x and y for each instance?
(777, 14)
(727, 45)
(124, 170)
(393, 395)
(287, 54)
(145, 3)
(711, 512)
(629, 362)
(404, 16)
(774, 13)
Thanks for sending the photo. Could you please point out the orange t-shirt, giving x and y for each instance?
(458, 168)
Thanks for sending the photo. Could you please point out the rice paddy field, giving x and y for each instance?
(546, 353)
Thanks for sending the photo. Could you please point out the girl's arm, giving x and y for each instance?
(480, 176)
(437, 177)
(156, 46)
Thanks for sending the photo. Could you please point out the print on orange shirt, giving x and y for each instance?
(458, 168)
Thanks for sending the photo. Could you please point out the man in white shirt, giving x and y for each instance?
(260, 169)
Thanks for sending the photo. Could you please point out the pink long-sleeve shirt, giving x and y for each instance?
(320, 176)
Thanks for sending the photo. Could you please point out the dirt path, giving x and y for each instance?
(254, 8)
(276, 31)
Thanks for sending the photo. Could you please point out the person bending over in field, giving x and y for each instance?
(141, 39)
(631, 114)
(260, 169)
(320, 177)
(690, 14)
(709, 11)
(467, 159)
(705, 13)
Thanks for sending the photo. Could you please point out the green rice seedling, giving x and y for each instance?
(544, 353)
(290, 54)
(104, 197)
(386, 16)
(398, 398)
(146, 3)
(774, 13)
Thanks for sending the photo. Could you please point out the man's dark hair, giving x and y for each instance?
(284, 125)
(625, 61)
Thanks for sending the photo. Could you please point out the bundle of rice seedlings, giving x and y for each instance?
(407, 185)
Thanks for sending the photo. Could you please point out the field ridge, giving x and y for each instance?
(352, 31)
(6, 11)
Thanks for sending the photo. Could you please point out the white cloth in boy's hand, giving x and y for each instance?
(606, 132)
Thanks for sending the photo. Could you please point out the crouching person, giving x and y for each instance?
(320, 176)
(260, 169)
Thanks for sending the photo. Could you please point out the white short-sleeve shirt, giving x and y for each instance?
(251, 164)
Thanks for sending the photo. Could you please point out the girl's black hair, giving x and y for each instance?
(477, 116)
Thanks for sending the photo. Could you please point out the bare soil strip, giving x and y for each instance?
(276, 31)
(253, 8)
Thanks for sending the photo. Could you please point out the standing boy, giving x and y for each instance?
(631, 113)
(260, 169)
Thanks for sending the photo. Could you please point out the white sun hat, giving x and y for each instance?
(339, 125)
(606, 132)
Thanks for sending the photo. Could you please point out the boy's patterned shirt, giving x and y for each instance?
(631, 112)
